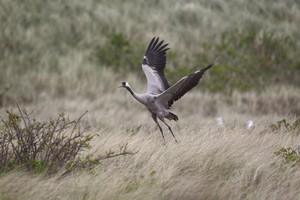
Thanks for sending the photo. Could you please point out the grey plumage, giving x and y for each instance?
(160, 96)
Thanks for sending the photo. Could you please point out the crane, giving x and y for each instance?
(160, 96)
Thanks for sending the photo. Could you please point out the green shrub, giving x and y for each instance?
(40, 146)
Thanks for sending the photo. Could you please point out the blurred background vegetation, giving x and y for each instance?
(61, 48)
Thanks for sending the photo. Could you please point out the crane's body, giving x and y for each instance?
(160, 96)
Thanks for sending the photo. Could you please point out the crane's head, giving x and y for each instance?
(124, 85)
(127, 87)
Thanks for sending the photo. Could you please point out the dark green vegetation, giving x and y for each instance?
(251, 59)
(254, 59)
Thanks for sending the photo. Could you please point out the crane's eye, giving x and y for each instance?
(123, 83)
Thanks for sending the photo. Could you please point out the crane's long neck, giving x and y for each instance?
(130, 90)
(135, 95)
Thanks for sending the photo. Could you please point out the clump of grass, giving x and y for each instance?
(290, 155)
(286, 126)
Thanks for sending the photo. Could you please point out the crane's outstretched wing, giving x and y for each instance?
(179, 89)
(154, 63)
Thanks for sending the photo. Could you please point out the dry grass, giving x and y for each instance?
(48, 65)
(210, 162)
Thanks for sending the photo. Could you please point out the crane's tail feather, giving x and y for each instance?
(172, 116)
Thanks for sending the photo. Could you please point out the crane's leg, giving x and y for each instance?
(162, 119)
(154, 117)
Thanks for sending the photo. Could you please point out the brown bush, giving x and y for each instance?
(40, 146)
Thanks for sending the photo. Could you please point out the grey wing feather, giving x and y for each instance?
(154, 63)
(175, 92)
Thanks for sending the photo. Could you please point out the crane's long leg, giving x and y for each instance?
(162, 119)
(155, 119)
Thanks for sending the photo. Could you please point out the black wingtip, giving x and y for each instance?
(151, 44)
(155, 55)
(216, 61)
(156, 45)
(208, 67)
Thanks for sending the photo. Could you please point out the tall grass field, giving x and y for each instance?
(68, 132)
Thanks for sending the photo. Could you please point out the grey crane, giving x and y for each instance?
(160, 96)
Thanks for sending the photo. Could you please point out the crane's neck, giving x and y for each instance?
(135, 95)
(130, 90)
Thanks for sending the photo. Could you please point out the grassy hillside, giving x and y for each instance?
(257, 42)
(71, 56)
